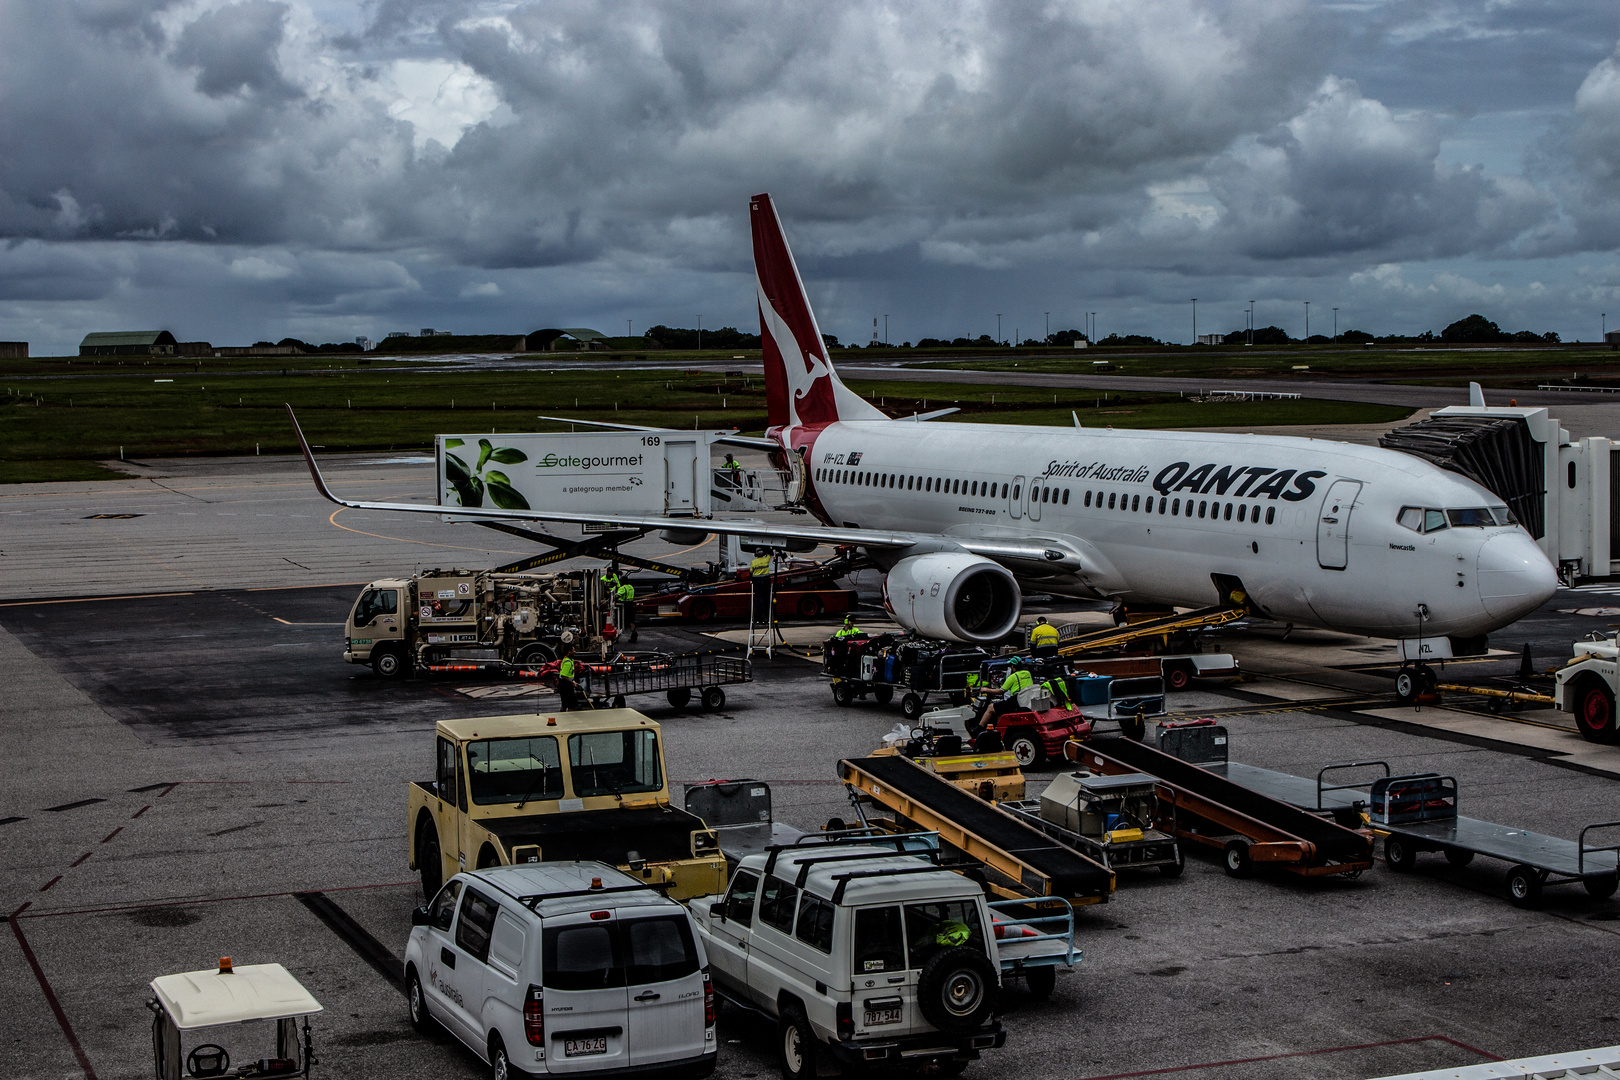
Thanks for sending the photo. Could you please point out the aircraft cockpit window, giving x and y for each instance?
(1504, 516)
(1434, 520)
(1474, 517)
(1410, 517)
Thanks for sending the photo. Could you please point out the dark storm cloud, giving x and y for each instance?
(932, 152)
(234, 49)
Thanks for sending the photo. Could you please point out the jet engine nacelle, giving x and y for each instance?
(953, 595)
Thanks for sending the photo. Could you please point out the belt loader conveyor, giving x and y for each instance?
(1207, 746)
(1419, 813)
(1018, 860)
(1246, 826)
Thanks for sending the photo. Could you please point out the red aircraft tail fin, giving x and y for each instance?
(801, 387)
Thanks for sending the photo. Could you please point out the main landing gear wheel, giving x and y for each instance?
(1594, 713)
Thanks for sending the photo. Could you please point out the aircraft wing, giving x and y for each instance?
(1002, 549)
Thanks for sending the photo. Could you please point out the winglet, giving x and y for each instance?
(309, 459)
(1476, 396)
(1076, 417)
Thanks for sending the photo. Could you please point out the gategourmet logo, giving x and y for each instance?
(561, 461)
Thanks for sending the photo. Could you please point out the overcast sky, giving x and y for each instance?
(237, 171)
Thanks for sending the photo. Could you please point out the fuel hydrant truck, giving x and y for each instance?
(475, 619)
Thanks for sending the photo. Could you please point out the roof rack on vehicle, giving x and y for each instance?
(844, 836)
(844, 879)
(804, 865)
(534, 901)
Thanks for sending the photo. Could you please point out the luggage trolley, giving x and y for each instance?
(1419, 813)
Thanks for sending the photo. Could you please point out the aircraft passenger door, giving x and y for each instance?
(680, 476)
(1333, 524)
(1015, 501)
(1035, 489)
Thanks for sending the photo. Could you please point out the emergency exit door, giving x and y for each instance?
(680, 476)
(1034, 510)
(1015, 501)
(1333, 524)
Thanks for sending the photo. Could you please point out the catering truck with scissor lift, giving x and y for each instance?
(462, 620)
(541, 788)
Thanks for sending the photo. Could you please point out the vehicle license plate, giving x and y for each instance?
(882, 1016)
(589, 1044)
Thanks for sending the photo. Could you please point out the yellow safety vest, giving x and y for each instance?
(1043, 634)
(1018, 680)
(847, 632)
(625, 592)
(759, 566)
(567, 669)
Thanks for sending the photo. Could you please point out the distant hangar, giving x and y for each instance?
(128, 343)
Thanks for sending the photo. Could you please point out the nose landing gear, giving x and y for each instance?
(1414, 682)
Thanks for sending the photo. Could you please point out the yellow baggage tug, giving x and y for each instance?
(541, 787)
(230, 995)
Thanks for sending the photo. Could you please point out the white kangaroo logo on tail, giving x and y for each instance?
(802, 376)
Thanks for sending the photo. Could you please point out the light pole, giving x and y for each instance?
(1307, 322)
(1335, 324)
(1048, 338)
(1251, 322)
(1093, 337)
(1195, 320)
(700, 333)
(627, 330)
(885, 328)
(998, 327)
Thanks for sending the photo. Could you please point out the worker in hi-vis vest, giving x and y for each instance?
(1043, 638)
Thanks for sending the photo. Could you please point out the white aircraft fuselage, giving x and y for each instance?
(1310, 527)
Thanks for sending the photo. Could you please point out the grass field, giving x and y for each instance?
(1507, 368)
(60, 429)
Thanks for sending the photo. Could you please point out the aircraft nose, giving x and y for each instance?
(1514, 576)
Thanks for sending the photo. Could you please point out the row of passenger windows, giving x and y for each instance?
(1115, 500)
(1249, 512)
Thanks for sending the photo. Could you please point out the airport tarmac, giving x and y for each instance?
(196, 773)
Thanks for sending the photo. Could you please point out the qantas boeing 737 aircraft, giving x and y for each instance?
(963, 517)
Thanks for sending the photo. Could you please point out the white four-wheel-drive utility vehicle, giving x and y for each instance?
(864, 955)
(563, 968)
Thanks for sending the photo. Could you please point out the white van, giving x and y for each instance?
(566, 968)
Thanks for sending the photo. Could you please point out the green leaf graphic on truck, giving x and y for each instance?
(473, 484)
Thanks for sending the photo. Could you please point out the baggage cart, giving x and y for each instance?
(1419, 813)
(676, 677)
(919, 670)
